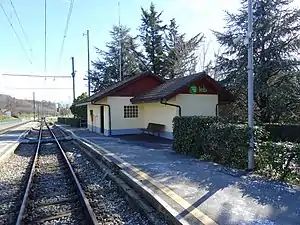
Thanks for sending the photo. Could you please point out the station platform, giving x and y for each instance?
(195, 191)
(10, 140)
(11, 123)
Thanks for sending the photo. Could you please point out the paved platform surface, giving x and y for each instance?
(9, 138)
(226, 196)
(6, 124)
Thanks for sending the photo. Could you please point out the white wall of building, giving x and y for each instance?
(119, 124)
(197, 104)
(191, 104)
(96, 125)
(161, 114)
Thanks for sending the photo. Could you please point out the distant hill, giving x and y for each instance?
(22, 106)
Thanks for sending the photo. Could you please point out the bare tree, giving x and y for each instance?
(204, 62)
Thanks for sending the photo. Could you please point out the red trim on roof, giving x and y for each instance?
(137, 87)
(181, 85)
(202, 82)
(120, 85)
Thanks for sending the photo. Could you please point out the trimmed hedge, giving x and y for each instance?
(278, 156)
(283, 132)
(209, 139)
(280, 160)
(227, 144)
(185, 134)
(73, 122)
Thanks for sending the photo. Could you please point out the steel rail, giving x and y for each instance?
(29, 182)
(89, 213)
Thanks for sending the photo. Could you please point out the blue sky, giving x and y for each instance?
(98, 16)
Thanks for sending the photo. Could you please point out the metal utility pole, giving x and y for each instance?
(45, 37)
(120, 44)
(42, 109)
(33, 106)
(88, 55)
(73, 76)
(250, 87)
(38, 110)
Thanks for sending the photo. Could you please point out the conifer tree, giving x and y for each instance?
(276, 43)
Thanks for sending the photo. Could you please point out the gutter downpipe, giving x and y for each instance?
(217, 109)
(166, 103)
(109, 114)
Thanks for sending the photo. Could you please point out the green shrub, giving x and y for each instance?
(279, 160)
(186, 132)
(208, 138)
(73, 122)
(283, 132)
(228, 144)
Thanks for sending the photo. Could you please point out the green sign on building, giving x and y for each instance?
(193, 89)
(202, 89)
(197, 89)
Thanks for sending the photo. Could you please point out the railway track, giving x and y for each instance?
(53, 193)
(38, 187)
(13, 175)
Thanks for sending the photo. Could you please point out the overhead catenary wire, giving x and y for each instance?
(65, 31)
(21, 26)
(34, 75)
(37, 88)
(20, 41)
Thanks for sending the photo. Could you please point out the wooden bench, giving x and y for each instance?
(154, 128)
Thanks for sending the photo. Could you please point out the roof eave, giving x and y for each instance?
(99, 98)
(82, 104)
(147, 100)
(107, 94)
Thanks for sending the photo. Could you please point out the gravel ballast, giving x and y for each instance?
(52, 182)
(13, 177)
(33, 133)
(108, 203)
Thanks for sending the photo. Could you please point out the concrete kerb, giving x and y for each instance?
(156, 201)
(11, 150)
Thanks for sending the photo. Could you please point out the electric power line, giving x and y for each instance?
(19, 21)
(20, 41)
(66, 31)
(33, 75)
(37, 88)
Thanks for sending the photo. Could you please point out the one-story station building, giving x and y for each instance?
(130, 105)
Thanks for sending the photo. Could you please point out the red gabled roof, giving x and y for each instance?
(114, 89)
(173, 87)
